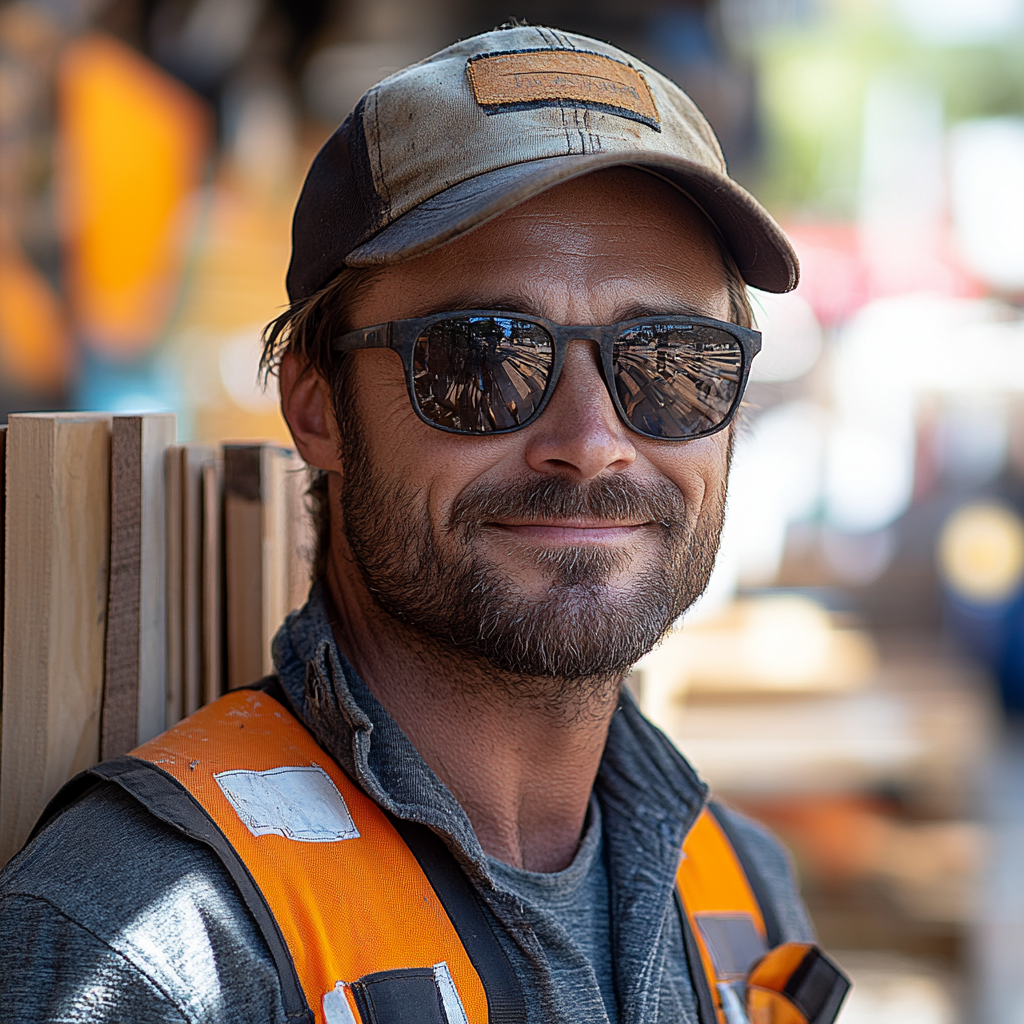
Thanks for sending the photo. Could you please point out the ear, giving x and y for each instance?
(307, 408)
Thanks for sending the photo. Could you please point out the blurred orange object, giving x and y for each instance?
(134, 145)
(836, 837)
(930, 868)
(34, 350)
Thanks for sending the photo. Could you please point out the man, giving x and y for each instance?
(444, 808)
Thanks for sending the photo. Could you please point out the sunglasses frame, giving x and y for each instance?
(401, 336)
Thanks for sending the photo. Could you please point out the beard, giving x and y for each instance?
(577, 639)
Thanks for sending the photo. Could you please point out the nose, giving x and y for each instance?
(579, 434)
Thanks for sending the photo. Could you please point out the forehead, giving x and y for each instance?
(603, 241)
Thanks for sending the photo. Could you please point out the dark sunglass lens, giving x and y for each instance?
(478, 374)
(677, 380)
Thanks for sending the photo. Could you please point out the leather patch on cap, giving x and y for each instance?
(563, 78)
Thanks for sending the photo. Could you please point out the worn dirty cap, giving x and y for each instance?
(444, 145)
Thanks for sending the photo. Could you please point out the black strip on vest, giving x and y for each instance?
(505, 1003)
(817, 988)
(701, 986)
(406, 996)
(750, 869)
(167, 799)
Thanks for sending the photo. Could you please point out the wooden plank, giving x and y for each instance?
(158, 435)
(175, 581)
(244, 557)
(213, 581)
(58, 551)
(119, 732)
(134, 697)
(276, 463)
(3, 534)
(268, 546)
(193, 458)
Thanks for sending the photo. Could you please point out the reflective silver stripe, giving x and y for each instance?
(453, 1008)
(336, 1008)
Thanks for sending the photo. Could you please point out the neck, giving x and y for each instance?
(521, 767)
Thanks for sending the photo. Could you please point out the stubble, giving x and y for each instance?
(583, 634)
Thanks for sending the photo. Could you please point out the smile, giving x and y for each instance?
(572, 532)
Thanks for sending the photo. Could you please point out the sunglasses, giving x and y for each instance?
(486, 372)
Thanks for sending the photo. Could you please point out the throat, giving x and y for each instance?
(519, 754)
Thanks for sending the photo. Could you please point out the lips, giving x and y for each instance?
(572, 532)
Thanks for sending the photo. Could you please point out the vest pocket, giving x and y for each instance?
(426, 995)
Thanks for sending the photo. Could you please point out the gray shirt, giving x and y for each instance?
(574, 903)
(111, 916)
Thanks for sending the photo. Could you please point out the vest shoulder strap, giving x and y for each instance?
(751, 871)
(364, 904)
(731, 931)
(170, 802)
(723, 922)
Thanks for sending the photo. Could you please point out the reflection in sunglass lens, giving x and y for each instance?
(677, 380)
(479, 374)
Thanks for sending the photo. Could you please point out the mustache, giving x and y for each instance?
(615, 498)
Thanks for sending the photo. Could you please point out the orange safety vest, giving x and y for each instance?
(369, 918)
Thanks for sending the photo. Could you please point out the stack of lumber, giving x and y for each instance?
(141, 578)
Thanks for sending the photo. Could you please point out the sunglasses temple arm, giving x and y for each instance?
(378, 336)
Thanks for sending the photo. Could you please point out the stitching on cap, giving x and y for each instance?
(607, 108)
(611, 108)
(583, 138)
(547, 49)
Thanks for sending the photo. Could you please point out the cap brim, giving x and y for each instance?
(761, 250)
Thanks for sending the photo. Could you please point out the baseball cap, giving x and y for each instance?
(442, 146)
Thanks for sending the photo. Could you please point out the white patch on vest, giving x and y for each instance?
(453, 1008)
(295, 802)
(336, 1008)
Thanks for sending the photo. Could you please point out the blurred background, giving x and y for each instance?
(855, 675)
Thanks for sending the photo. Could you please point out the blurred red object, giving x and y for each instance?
(840, 272)
(833, 277)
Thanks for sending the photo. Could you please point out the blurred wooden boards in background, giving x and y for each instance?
(264, 488)
(865, 758)
(116, 543)
(3, 534)
(136, 647)
(56, 578)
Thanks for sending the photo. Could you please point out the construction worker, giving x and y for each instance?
(517, 342)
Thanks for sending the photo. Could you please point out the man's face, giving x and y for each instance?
(561, 552)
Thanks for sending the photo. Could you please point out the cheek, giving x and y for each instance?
(435, 466)
(399, 443)
(380, 394)
(698, 468)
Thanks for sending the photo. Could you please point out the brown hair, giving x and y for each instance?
(305, 329)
